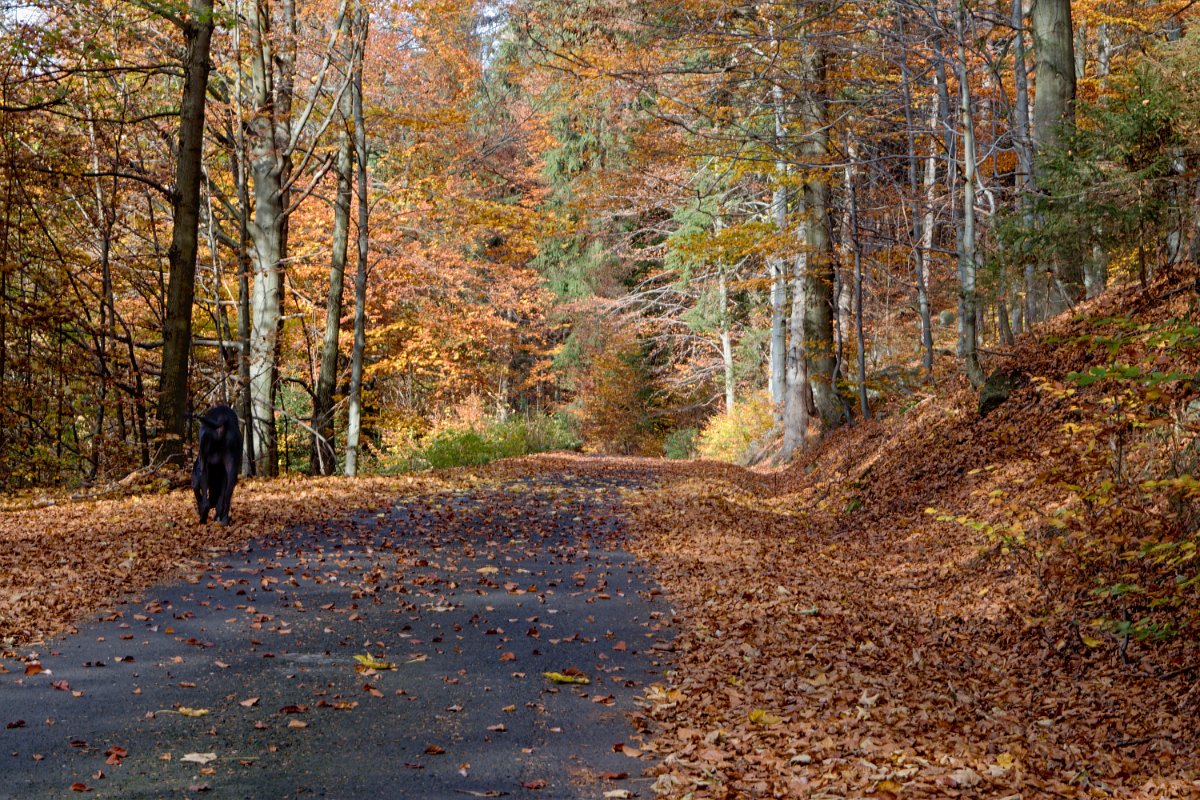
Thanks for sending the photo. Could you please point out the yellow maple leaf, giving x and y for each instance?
(370, 662)
(760, 717)
(558, 677)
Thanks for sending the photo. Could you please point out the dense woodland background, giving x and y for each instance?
(402, 233)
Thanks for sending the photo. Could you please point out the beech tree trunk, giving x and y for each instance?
(1054, 116)
(181, 286)
(777, 380)
(726, 344)
(856, 246)
(272, 77)
(323, 458)
(354, 425)
(920, 271)
(969, 306)
(798, 403)
(818, 272)
(1026, 186)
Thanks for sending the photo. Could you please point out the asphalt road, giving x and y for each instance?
(472, 596)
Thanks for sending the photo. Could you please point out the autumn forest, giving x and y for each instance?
(874, 318)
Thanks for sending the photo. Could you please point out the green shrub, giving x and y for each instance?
(681, 443)
(453, 448)
(473, 446)
(730, 437)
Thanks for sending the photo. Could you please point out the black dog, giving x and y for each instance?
(218, 462)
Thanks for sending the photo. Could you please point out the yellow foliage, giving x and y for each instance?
(730, 437)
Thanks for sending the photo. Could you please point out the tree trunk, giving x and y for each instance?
(354, 425)
(181, 286)
(323, 460)
(856, 245)
(818, 272)
(798, 404)
(1026, 187)
(918, 221)
(726, 344)
(966, 254)
(271, 84)
(778, 269)
(1054, 50)
(1054, 115)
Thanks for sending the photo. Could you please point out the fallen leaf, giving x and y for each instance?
(199, 758)
(192, 712)
(760, 717)
(559, 677)
(966, 778)
(370, 662)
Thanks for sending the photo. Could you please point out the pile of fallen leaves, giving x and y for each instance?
(874, 622)
(64, 560)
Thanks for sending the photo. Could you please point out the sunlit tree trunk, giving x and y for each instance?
(1026, 186)
(726, 343)
(323, 460)
(272, 66)
(778, 269)
(856, 246)
(967, 240)
(798, 403)
(354, 424)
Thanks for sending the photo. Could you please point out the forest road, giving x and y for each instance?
(241, 680)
